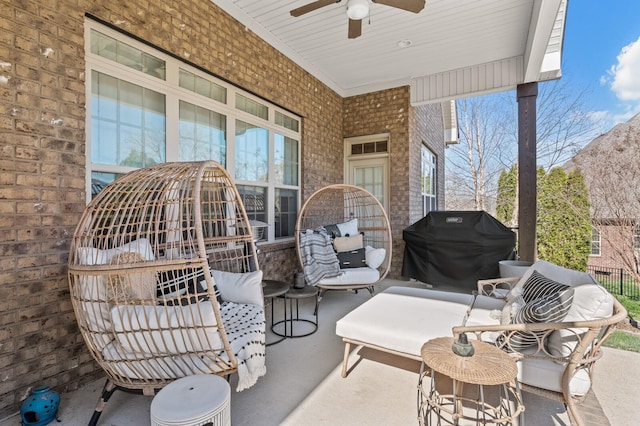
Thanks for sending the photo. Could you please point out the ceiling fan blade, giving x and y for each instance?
(312, 6)
(414, 6)
(355, 28)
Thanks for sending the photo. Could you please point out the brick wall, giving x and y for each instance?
(389, 111)
(42, 162)
(612, 236)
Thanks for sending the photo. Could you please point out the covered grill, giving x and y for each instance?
(452, 250)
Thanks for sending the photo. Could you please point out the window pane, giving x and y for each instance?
(202, 134)
(286, 212)
(128, 123)
(99, 180)
(252, 107)
(286, 121)
(285, 160)
(252, 152)
(254, 199)
(122, 53)
(202, 86)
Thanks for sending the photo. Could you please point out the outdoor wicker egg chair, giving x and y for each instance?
(147, 265)
(335, 209)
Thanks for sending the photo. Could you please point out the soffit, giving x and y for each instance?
(515, 41)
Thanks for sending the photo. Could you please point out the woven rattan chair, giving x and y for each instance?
(140, 272)
(336, 204)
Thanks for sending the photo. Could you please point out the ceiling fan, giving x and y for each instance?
(359, 9)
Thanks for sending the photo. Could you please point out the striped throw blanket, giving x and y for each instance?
(319, 259)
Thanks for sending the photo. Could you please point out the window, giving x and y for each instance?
(636, 236)
(428, 180)
(595, 242)
(146, 107)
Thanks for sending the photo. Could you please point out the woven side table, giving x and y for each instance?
(480, 389)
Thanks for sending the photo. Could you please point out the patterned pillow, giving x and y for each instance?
(352, 259)
(538, 286)
(548, 309)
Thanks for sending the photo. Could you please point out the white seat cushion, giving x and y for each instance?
(351, 276)
(403, 318)
(547, 374)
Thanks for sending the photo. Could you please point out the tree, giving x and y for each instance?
(473, 165)
(506, 203)
(610, 167)
(563, 222)
(488, 133)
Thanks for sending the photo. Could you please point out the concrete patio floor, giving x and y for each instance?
(303, 386)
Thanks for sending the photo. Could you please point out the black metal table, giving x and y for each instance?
(272, 289)
(296, 294)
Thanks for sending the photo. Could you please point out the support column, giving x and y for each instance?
(527, 176)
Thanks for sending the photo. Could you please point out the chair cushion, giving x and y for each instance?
(364, 275)
(544, 374)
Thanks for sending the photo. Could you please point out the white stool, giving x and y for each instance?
(203, 399)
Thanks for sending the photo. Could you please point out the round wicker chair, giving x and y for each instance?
(338, 204)
(140, 272)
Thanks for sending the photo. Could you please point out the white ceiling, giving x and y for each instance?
(459, 47)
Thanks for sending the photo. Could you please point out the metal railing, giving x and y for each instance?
(617, 281)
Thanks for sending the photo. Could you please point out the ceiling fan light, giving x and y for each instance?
(357, 9)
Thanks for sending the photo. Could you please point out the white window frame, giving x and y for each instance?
(596, 242)
(433, 172)
(173, 95)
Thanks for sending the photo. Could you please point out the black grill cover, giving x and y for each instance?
(452, 250)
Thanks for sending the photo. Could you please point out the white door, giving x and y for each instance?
(372, 175)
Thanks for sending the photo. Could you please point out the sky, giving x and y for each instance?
(601, 54)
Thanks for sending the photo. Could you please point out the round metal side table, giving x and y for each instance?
(272, 289)
(297, 294)
(479, 389)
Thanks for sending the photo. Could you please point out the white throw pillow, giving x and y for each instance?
(349, 228)
(590, 301)
(239, 287)
(374, 257)
(94, 256)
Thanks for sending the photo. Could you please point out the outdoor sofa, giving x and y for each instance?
(552, 320)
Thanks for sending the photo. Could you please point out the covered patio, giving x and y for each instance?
(303, 386)
(397, 79)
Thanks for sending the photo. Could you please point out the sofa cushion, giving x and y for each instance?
(557, 273)
(403, 318)
(590, 301)
(543, 374)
